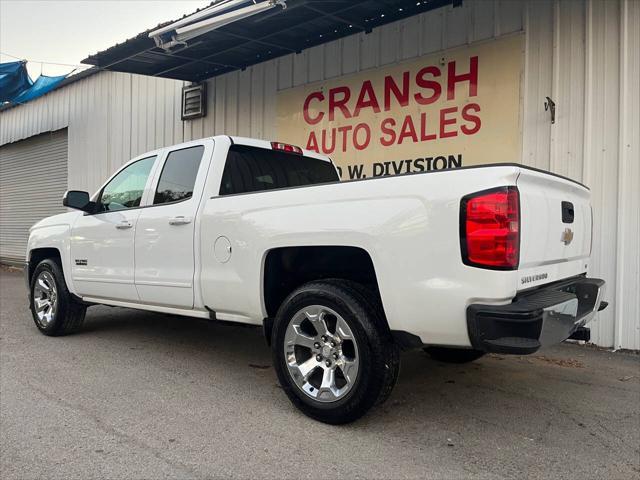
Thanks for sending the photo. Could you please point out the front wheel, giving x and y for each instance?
(54, 310)
(332, 353)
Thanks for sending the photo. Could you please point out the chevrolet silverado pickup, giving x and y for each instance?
(340, 275)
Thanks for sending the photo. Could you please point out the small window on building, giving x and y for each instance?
(252, 169)
(126, 188)
(178, 175)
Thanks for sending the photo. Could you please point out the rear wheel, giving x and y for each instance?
(333, 358)
(453, 355)
(54, 310)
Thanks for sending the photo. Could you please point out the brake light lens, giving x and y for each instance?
(490, 229)
(285, 147)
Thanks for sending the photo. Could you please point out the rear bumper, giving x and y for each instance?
(542, 317)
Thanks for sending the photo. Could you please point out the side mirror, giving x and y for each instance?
(78, 200)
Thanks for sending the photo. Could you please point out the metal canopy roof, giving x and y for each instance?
(277, 32)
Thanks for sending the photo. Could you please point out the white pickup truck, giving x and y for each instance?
(341, 275)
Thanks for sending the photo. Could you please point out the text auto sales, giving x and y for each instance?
(424, 88)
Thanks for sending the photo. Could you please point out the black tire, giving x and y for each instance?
(393, 363)
(453, 355)
(378, 355)
(69, 315)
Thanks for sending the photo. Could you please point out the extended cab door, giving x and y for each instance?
(102, 261)
(164, 244)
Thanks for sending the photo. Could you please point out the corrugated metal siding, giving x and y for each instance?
(627, 294)
(582, 54)
(33, 179)
(111, 118)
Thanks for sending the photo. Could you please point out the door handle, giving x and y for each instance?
(123, 225)
(180, 220)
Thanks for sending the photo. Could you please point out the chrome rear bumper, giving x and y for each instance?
(538, 318)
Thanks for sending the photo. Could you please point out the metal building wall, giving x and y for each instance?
(582, 54)
(112, 117)
(40, 160)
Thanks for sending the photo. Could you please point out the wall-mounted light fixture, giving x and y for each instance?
(208, 19)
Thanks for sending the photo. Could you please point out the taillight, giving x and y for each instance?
(490, 229)
(285, 147)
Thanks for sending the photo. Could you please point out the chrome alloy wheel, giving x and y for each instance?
(45, 299)
(321, 353)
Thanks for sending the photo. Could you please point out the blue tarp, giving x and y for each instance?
(17, 87)
(14, 79)
(42, 85)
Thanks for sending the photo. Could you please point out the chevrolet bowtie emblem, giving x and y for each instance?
(567, 236)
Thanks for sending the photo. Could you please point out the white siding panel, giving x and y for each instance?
(537, 83)
(601, 146)
(332, 59)
(112, 117)
(285, 71)
(369, 49)
(482, 17)
(246, 90)
(256, 114)
(567, 134)
(231, 101)
(220, 105)
(456, 28)
(350, 54)
(269, 103)
(433, 29)
(410, 38)
(40, 160)
(210, 120)
(509, 14)
(627, 298)
(316, 66)
(390, 44)
(300, 68)
(178, 126)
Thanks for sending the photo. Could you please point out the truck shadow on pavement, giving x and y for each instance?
(501, 391)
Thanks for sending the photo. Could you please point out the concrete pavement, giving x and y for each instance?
(142, 395)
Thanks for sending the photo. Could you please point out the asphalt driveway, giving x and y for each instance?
(142, 395)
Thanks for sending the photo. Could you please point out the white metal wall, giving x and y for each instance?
(583, 54)
(112, 117)
(33, 178)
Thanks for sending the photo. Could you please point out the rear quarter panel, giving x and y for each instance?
(409, 225)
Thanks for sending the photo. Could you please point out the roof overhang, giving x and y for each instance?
(253, 39)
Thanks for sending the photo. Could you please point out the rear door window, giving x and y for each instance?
(178, 175)
(252, 169)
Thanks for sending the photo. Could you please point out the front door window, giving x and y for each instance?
(126, 188)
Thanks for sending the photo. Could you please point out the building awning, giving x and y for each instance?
(255, 39)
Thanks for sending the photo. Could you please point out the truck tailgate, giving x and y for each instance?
(555, 228)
